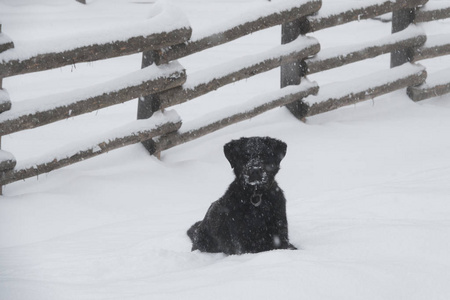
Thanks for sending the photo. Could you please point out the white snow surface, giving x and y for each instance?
(435, 5)
(367, 187)
(331, 8)
(437, 40)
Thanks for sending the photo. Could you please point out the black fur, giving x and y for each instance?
(251, 216)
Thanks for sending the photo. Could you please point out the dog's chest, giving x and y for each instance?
(253, 217)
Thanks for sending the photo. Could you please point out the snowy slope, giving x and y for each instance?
(367, 185)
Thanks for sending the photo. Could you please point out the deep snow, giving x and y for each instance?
(367, 185)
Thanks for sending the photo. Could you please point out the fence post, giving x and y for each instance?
(400, 20)
(148, 104)
(292, 73)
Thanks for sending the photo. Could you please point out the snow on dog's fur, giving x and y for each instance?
(251, 216)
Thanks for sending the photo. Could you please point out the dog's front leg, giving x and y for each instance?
(281, 238)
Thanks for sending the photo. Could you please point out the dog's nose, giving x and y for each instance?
(255, 174)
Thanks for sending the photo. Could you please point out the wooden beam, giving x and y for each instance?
(436, 45)
(437, 84)
(425, 15)
(223, 118)
(258, 23)
(5, 102)
(359, 13)
(7, 161)
(244, 67)
(47, 61)
(5, 42)
(119, 138)
(336, 57)
(421, 93)
(364, 88)
(89, 99)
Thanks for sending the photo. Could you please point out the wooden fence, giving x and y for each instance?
(162, 82)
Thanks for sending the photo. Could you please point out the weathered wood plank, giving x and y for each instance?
(5, 42)
(337, 57)
(7, 161)
(223, 118)
(364, 88)
(90, 99)
(425, 15)
(94, 52)
(138, 131)
(227, 35)
(421, 93)
(322, 21)
(436, 45)
(239, 69)
(437, 84)
(5, 102)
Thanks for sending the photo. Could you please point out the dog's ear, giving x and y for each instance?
(278, 148)
(233, 151)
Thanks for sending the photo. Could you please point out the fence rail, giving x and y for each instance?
(236, 114)
(337, 57)
(281, 13)
(239, 69)
(326, 20)
(162, 82)
(136, 132)
(38, 112)
(364, 88)
(434, 47)
(427, 14)
(46, 61)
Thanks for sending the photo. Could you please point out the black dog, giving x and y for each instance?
(251, 216)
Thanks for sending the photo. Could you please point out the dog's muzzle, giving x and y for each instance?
(254, 173)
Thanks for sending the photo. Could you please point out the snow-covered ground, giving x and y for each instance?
(367, 185)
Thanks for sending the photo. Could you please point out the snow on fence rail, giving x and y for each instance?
(343, 14)
(406, 44)
(273, 14)
(439, 83)
(368, 87)
(221, 119)
(26, 114)
(164, 84)
(167, 28)
(217, 76)
(135, 132)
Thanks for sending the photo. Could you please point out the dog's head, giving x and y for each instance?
(255, 160)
